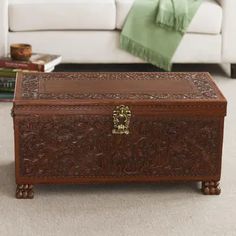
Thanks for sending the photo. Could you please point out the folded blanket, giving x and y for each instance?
(154, 29)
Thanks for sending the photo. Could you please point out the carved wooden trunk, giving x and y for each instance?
(117, 127)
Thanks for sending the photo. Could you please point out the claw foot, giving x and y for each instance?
(211, 188)
(24, 191)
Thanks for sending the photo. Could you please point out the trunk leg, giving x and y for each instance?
(211, 188)
(24, 191)
(233, 71)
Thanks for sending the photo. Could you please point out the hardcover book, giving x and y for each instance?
(6, 96)
(8, 73)
(7, 84)
(37, 62)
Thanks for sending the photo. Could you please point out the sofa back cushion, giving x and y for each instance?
(32, 15)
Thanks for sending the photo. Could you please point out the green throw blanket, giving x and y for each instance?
(154, 29)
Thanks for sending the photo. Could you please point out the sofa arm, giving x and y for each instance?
(228, 30)
(3, 26)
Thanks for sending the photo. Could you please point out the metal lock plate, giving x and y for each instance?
(121, 120)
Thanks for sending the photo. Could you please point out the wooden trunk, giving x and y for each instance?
(117, 127)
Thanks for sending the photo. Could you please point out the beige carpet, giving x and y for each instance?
(122, 210)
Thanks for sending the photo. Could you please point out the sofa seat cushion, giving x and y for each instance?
(31, 15)
(208, 19)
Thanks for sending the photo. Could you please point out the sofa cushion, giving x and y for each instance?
(208, 19)
(30, 15)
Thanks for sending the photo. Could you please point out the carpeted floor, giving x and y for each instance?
(122, 210)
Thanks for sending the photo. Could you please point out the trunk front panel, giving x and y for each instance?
(83, 146)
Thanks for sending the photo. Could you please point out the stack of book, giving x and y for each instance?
(9, 69)
(7, 83)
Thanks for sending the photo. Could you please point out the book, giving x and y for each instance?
(6, 96)
(8, 77)
(8, 73)
(7, 84)
(37, 62)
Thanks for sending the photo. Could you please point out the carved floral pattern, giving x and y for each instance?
(204, 89)
(84, 146)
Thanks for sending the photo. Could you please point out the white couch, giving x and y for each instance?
(87, 31)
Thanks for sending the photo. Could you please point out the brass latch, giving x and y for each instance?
(121, 120)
